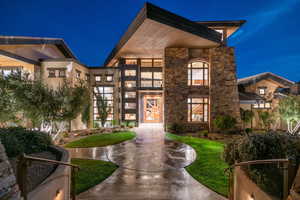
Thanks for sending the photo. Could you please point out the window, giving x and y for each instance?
(157, 63)
(262, 105)
(197, 109)
(51, 73)
(5, 71)
(130, 105)
(107, 94)
(130, 84)
(146, 63)
(130, 72)
(130, 116)
(151, 79)
(262, 91)
(97, 78)
(129, 95)
(87, 77)
(78, 73)
(198, 73)
(220, 31)
(62, 73)
(109, 78)
(131, 62)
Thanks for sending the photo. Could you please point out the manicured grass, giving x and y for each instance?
(91, 173)
(209, 166)
(101, 140)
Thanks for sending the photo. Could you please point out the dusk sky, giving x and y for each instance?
(269, 41)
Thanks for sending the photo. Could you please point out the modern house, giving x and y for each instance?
(262, 92)
(165, 69)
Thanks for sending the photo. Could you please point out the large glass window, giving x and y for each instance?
(129, 95)
(130, 72)
(106, 93)
(130, 84)
(198, 73)
(198, 109)
(130, 105)
(130, 116)
(131, 62)
(146, 62)
(151, 79)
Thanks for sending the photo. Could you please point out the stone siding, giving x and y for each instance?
(222, 91)
(8, 186)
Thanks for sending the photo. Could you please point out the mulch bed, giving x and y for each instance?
(37, 171)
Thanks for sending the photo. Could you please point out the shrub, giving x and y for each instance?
(176, 128)
(248, 130)
(225, 122)
(17, 140)
(261, 147)
(203, 133)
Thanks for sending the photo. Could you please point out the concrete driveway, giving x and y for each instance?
(151, 167)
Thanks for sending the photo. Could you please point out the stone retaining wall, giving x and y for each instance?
(8, 186)
(57, 185)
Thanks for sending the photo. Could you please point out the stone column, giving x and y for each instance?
(223, 88)
(175, 85)
(8, 186)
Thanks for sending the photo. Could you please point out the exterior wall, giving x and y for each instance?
(222, 91)
(54, 82)
(103, 71)
(8, 186)
(244, 187)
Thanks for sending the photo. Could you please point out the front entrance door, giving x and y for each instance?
(152, 109)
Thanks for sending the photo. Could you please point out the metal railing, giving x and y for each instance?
(22, 167)
(285, 167)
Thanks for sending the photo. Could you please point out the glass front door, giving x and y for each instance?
(152, 108)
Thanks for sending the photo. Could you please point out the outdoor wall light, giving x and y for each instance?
(251, 197)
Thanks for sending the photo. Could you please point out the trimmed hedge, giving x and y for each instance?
(261, 147)
(18, 140)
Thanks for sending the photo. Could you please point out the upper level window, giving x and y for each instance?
(262, 105)
(198, 73)
(220, 31)
(87, 77)
(262, 91)
(109, 78)
(51, 73)
(146, 63)
(130, 84)
(97, 78)
(151, 79)
(130, 72)
(130, 95)
(197, 109)
(78, 73)
(157, 63)
(62, 73)
(131, 62)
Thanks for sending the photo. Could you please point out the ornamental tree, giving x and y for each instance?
(102, 106)
(289, 110)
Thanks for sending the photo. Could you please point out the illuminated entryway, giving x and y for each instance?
(151, 108)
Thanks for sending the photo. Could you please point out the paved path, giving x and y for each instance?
(151, 168)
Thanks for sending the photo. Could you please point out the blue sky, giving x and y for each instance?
(269, 41)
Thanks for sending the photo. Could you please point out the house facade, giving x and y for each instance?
(262, 92)
(165, 69)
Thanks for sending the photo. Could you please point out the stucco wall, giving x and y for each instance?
(57, 185)
(244, 188)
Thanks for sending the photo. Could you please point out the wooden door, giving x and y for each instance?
(152, 108)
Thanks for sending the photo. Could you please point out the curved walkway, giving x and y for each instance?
(151, 167)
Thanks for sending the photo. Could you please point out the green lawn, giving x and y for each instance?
(101, 140)
(91, 173)
(209, 166)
